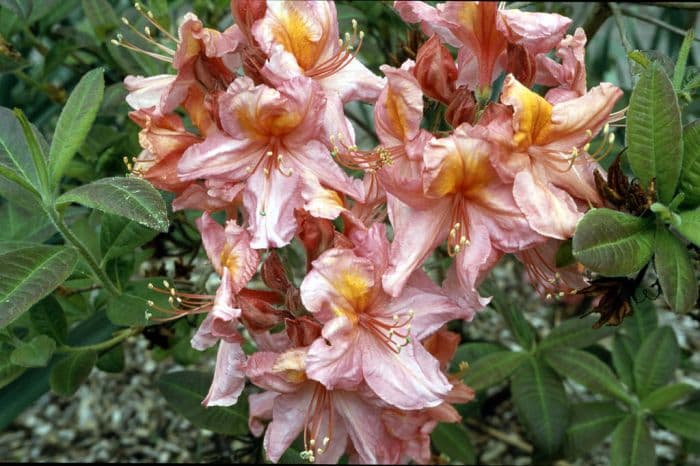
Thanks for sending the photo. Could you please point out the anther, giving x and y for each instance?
(150, 303)
(325, 441)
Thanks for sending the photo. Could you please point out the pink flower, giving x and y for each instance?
(569, 76)
(301, 39)
(370, 336)
(542, 149)
(482, 33)
(470, 206)
(271, 142)
(327, 418)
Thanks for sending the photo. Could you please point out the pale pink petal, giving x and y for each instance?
(220, 156)
(352, 82)
(213, 239)
(260, 410)
(319, 201)
(336, 359)
(147, 92)
(238, 256)
(399, 109)
(288, 414)
(229, 378)
(313, 157)
(411, 379)
(476, 259)
(259, 370)
(537, 32)
(430, 19)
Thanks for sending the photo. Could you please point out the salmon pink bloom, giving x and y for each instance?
(370, 336)
(482, 33)
(471, 207)
(327, 418)
(272, 142)
(567, 77)
(542, 149)
(301, 39)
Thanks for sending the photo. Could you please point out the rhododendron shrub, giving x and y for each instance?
(329, 325)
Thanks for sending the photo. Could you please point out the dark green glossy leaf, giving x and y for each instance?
(493, 368)
(632, 444)
(131, 308)
(70, 372)
(690, 173)
(29, 273)
(675, 271)
(35, 353)
(654, 133)
(591, 423)
(690, 226)
(683, 422)
(132, 198)
(656, 361)
(112, 360)
(664, 397)
(185, 390)
(453, 441)
(541, 405)
(623, 360)
(470, 352)
(22, 8)
(75, 121)
(47, 317)
(575, 333)
(120, 236)
(613, 243)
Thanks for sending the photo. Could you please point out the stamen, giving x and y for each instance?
(181, 304)
(347, 51)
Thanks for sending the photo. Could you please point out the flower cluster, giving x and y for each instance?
(355, 359)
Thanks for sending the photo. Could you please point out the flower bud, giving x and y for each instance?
(258, 315)
(316, 234)
(273, 274)
(435, 70)
(462, 107)
(302, 331)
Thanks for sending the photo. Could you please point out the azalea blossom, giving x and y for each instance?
(272, 142)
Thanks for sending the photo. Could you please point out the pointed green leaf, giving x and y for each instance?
(683, 422)
(22, 8)
(675, 271)
(75, 121)
(642, 322)
(8, 371)
(112, 360)
(632, 444)
(185, 390)
(622, 360)
(131, 308)
(470, 352)
(101, 17)
(493, 368)
(575, 333)
(656, 361)
(35, 353)
(541, 404)
(28, 273)
(682, 60)
(16, 161)
(587, 370)
(18, 224)
(665, 396)
(132, 198)
(70, 372)
(654, 134)
(120, 236)
(690, 225)
(453, 441)
(48, 318)
(690, 174)
(35, 150)
(517, 324)
(591, 423)
(613, 243)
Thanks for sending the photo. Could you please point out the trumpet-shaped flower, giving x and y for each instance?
(271, 142)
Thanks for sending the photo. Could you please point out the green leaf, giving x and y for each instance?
(632, 444)
(517, 324)
(120, 236)
(564, 256)
(18, 224)
(75, 121)
(642, 322)
(35, 353)
(132, 198)
(16, 161)
(28, 273)
(656, 361)
(575, 333)
(35, 150)
(185, 390)
(665, 396)
(48, 318)
(70, 372)
(453, 441)
(682, 60)
(591, 423)
(493, 368)
(622, 360)
(131, 307)
(8, 371)
(654, 134)
(112, 360)
(690, 226)
(613, 243)
(470, 352)
(541, 405)
(587, 370)
(690, 174)
(675, 271)
(22, 8)
(683, 422)
(101, 17)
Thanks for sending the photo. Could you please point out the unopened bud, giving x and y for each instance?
(435, 70)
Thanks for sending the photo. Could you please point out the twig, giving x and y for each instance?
(678, 5)
(598, 15)
(655, 22)
(511, 440)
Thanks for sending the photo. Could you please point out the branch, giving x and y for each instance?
(620, 26)
(511, 440)
(655, 21)
(598, 15)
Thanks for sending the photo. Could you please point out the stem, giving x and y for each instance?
(678, 5)
(620, 26)
(598, 15)
(511, 440)
(107, 344)
(68, 235)
(654, 21)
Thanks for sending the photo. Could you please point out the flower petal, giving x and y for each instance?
(229, 378)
